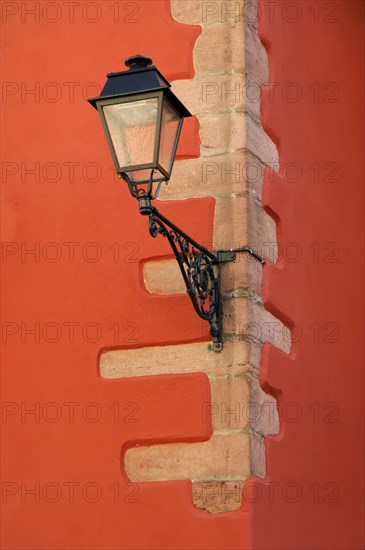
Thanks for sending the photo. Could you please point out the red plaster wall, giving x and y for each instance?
(320, 448)
(82, 498)
(108, 293)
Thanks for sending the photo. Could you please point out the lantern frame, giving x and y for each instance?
(155, 164)
(141, 81)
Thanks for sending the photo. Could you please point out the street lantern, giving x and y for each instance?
(142, 120)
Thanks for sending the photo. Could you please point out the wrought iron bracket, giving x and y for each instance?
(200, 268)
(225, 256)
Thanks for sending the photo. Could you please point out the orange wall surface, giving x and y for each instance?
(91, 297)
(313, 494)
(81, 291)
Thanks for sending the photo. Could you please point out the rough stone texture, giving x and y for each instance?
(218, 175)
(226, 132)
(184, 358)
(230, 222)
(252, 95)
(257, 455)
(259, 143)
(212, 93)
(264, 418)
(217, 496)
(163, 277)
(193, 16)
(206, 13)
(235, 274)
(220, 49)
(256, 56)
(264, 328)
(225, 455)
(234, 315)
(230, 65)
(261, 231)
(220, 93)
(254, 173)
(222, 133)
(229, 403)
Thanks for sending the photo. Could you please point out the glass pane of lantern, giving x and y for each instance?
(132, 128)
(169, 127)
(143, 176)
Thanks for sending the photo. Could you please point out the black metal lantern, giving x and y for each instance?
(142, 120)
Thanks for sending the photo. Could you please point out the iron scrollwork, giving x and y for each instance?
(199, 266)
(200, 270)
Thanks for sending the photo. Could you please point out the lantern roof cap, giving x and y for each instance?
(141, 76)
(138, 61)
